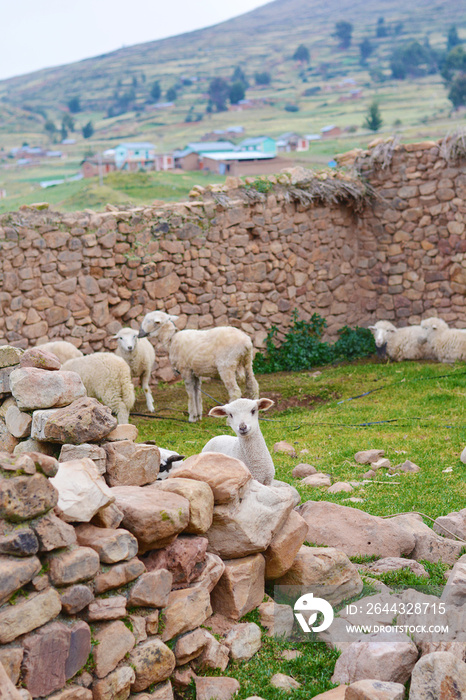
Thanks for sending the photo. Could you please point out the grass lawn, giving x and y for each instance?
(414, 412)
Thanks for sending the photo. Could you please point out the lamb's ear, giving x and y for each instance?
(217, 412)
(372, 328)
(172, 317)
(264, 404)
(115, 337)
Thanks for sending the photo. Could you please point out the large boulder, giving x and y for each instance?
(240, 588)
(26, 497)
(84, 420)
(355, 532)
(35, 388)
(438, 675)
(130, 464)
(111, 545)
(284, 547)
(248, 524)
(81, 490)
(201, 501)
(225, 475)
(452, 524)
(428, 545)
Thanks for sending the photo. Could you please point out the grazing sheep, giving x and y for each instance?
(249, 446)
(61, 349)
(223, 351)
(139, 354)
(107, 378)
(444, 343)
(401, 343)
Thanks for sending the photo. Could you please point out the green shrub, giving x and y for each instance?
(302, 347)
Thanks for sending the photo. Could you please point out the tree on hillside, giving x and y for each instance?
(237, 92)
(239, 76)
(74, 105)
(263, 78)
(67, 122)
(302, 54)
(453, 63)
(218, 93)
(457, 94)
(171, 94)
(87, 130)
(452, 38)
(365, 49)
(373, 120)
(381, 29)
(413, 59)
(343, 32)
(156, 91)
(50, 129)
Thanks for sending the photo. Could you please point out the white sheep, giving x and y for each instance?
(61, 349)
(139, 354)
(107, 378)
(224, 351)
(249, 446)
(444, 343)
(401, 343)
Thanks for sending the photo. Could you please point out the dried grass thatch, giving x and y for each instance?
(453, 146)
(378, 157)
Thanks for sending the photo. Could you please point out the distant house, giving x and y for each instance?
(241, 162)
(135, 155)
(263, 144)
(330, 131)
(188, 158)
(164, 161)
(94, 166)
(292, 142)
(313, 137)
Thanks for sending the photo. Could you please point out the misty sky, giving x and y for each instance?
(42, 33)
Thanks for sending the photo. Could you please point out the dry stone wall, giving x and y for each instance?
(233, 255)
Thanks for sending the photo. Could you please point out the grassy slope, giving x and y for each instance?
(428, 428)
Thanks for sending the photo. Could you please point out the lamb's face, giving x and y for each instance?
(382, 331)
(242, 415)
(153, 322)
(127, 339)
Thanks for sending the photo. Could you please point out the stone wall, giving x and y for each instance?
(233, 255)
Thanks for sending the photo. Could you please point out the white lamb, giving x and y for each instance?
(61, 349)
(108, 379)
(139, 354)
(249, 446)
(446, 344)
(222, 351)
(401, 343)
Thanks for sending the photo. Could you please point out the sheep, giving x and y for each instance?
(139, 354)
(401, 343)
(446, 344)
(249, 446)
(223, 351)
(61, 349)
(107, 378)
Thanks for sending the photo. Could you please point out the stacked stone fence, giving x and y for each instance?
(233, 255)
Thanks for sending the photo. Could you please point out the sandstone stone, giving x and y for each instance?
(10, 356)
(382, 463)
(249, 524)
(278, 619)
(210, 576)
(407, 466)
(123, 431)
(161, 691)
(73, 692)
(42, 359)
(428, 545)
(285, 447)
(438, 675)
(225, 475)
(152, 623)
(26, 497)
(354, 531)
(94, 452)
(83, 420)
(190, 646)
(454, 592)
(201, 501)
(325, 571)
(317, 480)
(53, 533)
(220, 688)
(119, 575)
(17, 422)
(20, 542)
(185, 610)
(11, 658)
(7, 688)
(185, 558)
(302, 470)
(243, 640)
(395, 564)
(280, 554)
(44, 463)
(79, 648)
(375, 690)
(112, 546)
(15, 573)
(340, 486)
(153, 662)
(108, 516)
(36, 389)
(81, 490)
(8, 442)
(183, 676)
(76, 598)
(131, 464)
(152, 589)
(73, 565)
(28, 614)
(114, 641)
(380, 656)
(284, 682)
(107, 608)
(240, 588)
(30, 445)
(214, 655)
(154, 517)
(451, 524)
(138, 624)
(116, 686)
(368, 456)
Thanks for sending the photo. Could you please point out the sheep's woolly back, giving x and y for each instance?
(107, 378)
(207, 352)
(61, 349)
(448, 345)
(404, 344)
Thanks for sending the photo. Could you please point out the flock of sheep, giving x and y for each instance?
(431, 340)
